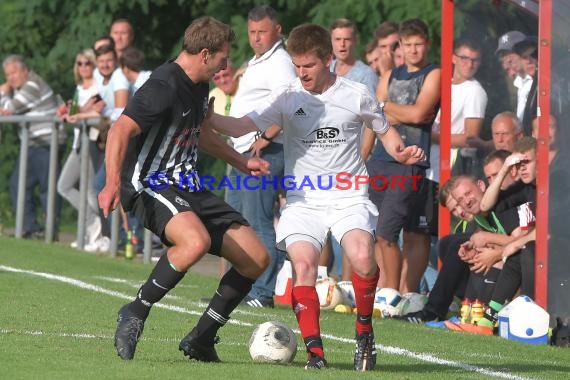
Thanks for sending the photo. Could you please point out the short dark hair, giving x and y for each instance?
(207, 33)
(466, 42)
(414, 27)
(344, 23)
(132, 58)
(499, 154)
(370, 46)
(445, 191)
(124, 21)
(525, 144)
(307, 38)
(385, 29)
(106, 37)
(105, 49)
(262, 11)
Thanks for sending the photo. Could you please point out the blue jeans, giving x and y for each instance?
(37, 174)
(257, 206)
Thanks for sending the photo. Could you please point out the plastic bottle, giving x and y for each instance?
(74, 107)
(129, 248)
(465, 311)
(477, 311)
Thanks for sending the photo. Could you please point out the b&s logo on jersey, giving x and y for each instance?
(324, 138)
(326, 133)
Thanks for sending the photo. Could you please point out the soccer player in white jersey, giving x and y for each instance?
(321, 115)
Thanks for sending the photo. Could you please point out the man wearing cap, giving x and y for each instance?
(513, 66)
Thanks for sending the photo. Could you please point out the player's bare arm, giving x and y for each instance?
(228, 125)
(115, 151)
(395, 147)
(368, 139)
(263, 140)
(213, 144)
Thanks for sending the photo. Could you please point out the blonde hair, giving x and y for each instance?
(86, 53)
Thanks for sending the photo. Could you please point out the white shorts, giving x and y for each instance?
(312, 223)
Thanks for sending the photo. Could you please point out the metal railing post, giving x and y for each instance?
(22, 174)
(147, 249)
(52, 179)
(115, 218)
(83, 185)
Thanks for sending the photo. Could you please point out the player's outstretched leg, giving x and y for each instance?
(190, 346)
(305, 304)
(129, 330)
(199, 343)
(365, 353)
(130, 321)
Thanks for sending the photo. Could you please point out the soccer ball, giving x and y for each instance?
(412, 302)
(273, 342)
(347, 291)
(386, 300)
(329, 293)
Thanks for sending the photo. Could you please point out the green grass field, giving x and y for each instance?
(58, 312)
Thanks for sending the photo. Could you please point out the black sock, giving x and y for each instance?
(314, 345)
(231, 291)
(162, 278)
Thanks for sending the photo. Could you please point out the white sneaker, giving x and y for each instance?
(73, 244)
(103, 244)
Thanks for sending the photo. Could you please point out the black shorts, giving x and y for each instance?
(154, 209)
(423, 217)
(401, 204)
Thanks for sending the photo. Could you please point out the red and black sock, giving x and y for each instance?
(364, 291)
(307, 309)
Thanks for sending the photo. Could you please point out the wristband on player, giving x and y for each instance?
(265, 137)
(380, 125)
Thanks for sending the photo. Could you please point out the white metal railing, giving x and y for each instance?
(25, 122)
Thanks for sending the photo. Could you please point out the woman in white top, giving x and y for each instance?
(84, 101)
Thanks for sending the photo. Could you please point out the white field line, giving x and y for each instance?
(135, 284)
(388, 349)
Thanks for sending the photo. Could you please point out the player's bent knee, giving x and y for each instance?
(191, 251)
(305, 272)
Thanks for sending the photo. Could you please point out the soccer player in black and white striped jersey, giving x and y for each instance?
(151, 157)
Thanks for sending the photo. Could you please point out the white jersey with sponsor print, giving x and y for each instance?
(322, 135)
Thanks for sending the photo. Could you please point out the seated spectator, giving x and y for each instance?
(506, 129)
(26, 93)
(459, 252)
(519, 255)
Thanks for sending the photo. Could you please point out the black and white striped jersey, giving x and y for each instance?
(169, 108)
